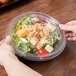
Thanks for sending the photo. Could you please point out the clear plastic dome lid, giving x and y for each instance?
(58, 47)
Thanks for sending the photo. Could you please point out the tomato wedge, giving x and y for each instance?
(56, 41)
(36, 34)
(42, 52)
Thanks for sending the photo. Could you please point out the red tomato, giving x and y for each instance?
(34, 34)
(42, 52)
(56, 41)
(38, 35)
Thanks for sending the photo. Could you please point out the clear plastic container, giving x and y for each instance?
(58, 48)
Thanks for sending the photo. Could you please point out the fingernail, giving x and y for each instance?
(68, 38)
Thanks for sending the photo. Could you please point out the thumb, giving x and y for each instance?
(8, 40)
(66, 27)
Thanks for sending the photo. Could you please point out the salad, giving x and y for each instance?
(35, 35)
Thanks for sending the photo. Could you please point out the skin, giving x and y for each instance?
(70, 30)
(11, 63)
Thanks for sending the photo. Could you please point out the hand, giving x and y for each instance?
(6, 49)
(11, 63)
(69, 30)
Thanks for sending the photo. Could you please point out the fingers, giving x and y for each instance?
(70, 35)
(71, 22)
(2, 42)
(69, 26)
(8, 40)
(65, 31)
(69, 30)
(66, 27)
(72, 38)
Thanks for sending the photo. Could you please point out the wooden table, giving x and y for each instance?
(63, 11)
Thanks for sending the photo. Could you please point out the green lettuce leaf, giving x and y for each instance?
(19, 44)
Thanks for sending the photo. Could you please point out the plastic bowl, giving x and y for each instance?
(58, 48)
